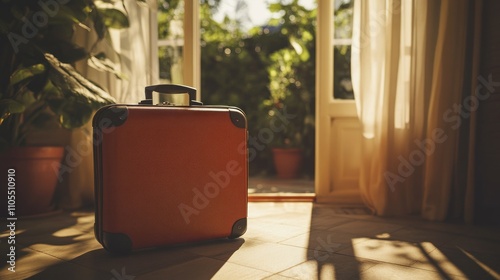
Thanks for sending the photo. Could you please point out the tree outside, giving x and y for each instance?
(268, 71)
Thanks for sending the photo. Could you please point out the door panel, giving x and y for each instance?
(338, 131)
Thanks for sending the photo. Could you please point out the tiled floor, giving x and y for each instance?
(283, 241)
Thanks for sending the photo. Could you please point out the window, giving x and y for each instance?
(171, 41)
(343, 10)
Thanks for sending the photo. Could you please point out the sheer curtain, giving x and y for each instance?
(407, 71)
(136, 51)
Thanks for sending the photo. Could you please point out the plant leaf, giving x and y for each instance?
(114, 18)
(74, 113)
(52, 92)
(23, 74)
(72, 84)
(102, 63)
(11, 106)
(300, 48)
(8, 107)
(71, 14)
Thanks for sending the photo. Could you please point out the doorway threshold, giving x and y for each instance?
(265, 189)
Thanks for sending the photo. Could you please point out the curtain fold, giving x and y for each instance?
(133, 45)
(408, 71)
(446, 95)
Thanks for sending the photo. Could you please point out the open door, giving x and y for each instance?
(338, 131)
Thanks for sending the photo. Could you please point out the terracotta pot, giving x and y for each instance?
(36, 171)
(287, 162)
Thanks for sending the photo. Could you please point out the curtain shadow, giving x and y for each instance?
(324, 244)
(344, 245)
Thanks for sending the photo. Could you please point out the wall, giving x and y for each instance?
(487, 194)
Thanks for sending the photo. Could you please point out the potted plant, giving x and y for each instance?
(39, 86)
(290, 113)
(291, 85)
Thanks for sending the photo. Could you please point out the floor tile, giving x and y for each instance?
(69, 246)
(263, 209)
(205, 268)
(476, 244)
(329, 266)
(84, 221)
(283, 241)
(33, 231)
(366, 228)
(268, 257)
(325, 241)
(67, 270)
(328, 222)
(293, 219)
(134, 263)
(27, 263)
(218, 247)
(464, 229)
(414, 235)
(387, 271)
(272, 232)
(278, 277)
(391, 251)
(458, 262)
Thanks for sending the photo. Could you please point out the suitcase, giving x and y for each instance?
(169, 171)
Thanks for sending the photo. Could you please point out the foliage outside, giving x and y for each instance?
(37, 80)
(266, 71)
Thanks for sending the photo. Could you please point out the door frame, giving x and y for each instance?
(337, 124)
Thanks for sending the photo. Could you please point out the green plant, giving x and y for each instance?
(289, 110)
(291, 78)
(292, 82)
(37, 79)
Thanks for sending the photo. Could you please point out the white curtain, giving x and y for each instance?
(136, 52)
(407, 72)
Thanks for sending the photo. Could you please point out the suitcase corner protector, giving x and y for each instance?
(111, 116)
(238, 118)
(239, 228)
(116, 243)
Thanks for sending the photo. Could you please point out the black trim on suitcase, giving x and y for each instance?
(239, 228)
(116, 243)
(237, 117)
(97, 138)
(105, 118)
(113, 115)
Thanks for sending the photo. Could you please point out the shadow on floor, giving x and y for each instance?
(346, 249)
(29, 230)
(177, 262)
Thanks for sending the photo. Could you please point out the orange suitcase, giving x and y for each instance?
(168, 174)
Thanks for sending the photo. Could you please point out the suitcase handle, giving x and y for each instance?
(171, 89)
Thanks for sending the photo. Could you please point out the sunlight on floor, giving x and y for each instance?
(283, 240)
